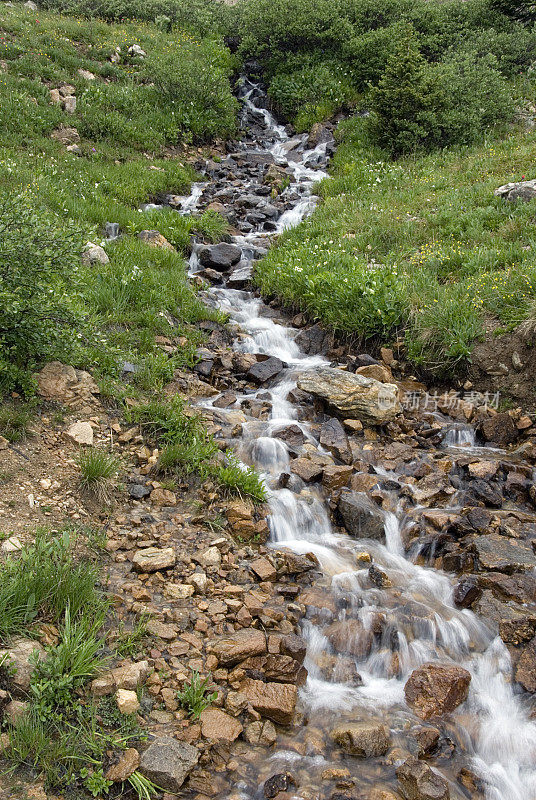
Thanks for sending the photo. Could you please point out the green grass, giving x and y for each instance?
(236, 479)
(98, 468)
(14, 420)
(419, 247)
(195, 696)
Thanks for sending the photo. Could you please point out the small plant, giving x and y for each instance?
(194, 697)
(235, 478)
(144, 788)
(98, 469)
(14, 419)
(95, 782)
(128, 642)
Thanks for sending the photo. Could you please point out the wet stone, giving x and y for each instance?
(363, 739)
(435, 689)
(263, 371)
(220, 257)
(362, 519)
(466, 592)
(499, 553)
(281, 782)
(419, 782)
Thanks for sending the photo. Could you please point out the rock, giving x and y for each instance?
(314, 340)
(199, 581)
(335, 477)
(238, 646)
(466, 592)
(11, 545)
(178, 591)
(333, 437)
(376, 371)
(499, 553)
(350, 636)
(15, 711)
(152, 559)
(525, 672)
(55, 97)
(434, 689)
(137, 491)
(86, 74)
(69, 104)
(163, 497)
(21, 654)
(168, 762)
(30, 5)
(80, 433)
(278, 668)
(64, 384)
(240, 278)
(499, 429)
(294, 646)
(281, 782)
(522, 190)
(220, 257)
(65, 135)
(419, 782)
(261, 732)
(363, 739)
(210, 558)
(427, 739)
(217, 725)
(276, 701)
(127, 701)
(306, 469)
(361, 516)
(264, 569)
(353, 396)
(319, 134)
(155, 239)
(292, 435)
(265, 370)
(131, 676)
(136, 50)
(162, 630)
(128, 763)
(94, 255)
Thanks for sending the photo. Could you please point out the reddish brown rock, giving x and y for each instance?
(499, 429)
(264, 569)
(276, 701)
(435, 689)
(335, 477)
(218, 725)
(238, 646)
(127, 764)
(525, 673)
(419, 782)
(306, 469)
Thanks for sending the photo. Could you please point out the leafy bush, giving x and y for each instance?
(38, 272)
(235, 478)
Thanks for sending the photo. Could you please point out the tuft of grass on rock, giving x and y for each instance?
(235, 478)
(98, 469)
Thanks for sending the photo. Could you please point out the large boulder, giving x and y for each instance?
(434, 689)
(419, 782)
(238, 646)
(522, 190)
(220, 257)
(503, 554)
(363, 739)
(499, 429)
(361, 517)
(353, 396)
(168, 762)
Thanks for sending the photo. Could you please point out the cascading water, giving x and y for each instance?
(493, 732)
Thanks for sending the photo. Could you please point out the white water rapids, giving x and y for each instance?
(493, 732)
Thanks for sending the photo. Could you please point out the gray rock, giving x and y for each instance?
(523, 190)
(353, 396)
(220, 257)
(333, 437)
(137, 491)
(265, 370)
(168, 762)
(361, 517)
(503, 554)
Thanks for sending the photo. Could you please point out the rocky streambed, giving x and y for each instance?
(407, 520)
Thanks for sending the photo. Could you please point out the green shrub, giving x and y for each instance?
(235, 478)
(38, 272)
(195, 696)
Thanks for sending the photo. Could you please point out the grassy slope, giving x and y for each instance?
(420, 244)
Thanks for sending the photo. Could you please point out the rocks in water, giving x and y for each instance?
(294, 646)
(353, 396)
(333, 437)
(153, 559)
(218, 726)
(276, 701)
(435, 689)
(419, 782)
(240, 277)
(361, 517)
(263, 371)
(522, 190)
(351, 637)
(335, 477)
(281, 782)
(306, 469)
(220, 257)
(292, 435)
(466, 592)
(168, 762)
(314, 340)
(240, 645)
(363, 739)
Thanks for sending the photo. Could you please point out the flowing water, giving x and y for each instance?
(492, 733)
